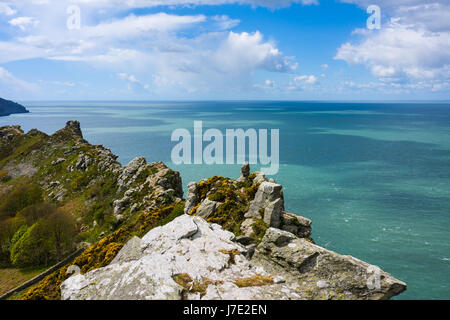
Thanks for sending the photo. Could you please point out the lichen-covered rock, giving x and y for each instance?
(192, 259)
(207, 208)
(268, 204)
(323, 274)
(298, 225)
(192, 197)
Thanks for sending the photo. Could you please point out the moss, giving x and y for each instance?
(232, 253)
(255, 281)
(219, 196)
(259, 229)
(193, 286)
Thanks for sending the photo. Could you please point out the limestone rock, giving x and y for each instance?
(75, 127)
(192, 198)
(207, 208)
(167, 262)
(323, 274)
(268, 204)
(298, 225)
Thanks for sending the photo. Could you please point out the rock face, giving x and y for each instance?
(9, 107)
(323, 274)
(192, 259)
(268, 204)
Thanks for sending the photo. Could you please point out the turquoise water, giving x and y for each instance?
(374, 178)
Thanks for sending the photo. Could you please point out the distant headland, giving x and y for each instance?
(9, 107)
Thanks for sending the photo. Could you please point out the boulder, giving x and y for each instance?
(192, 259)
(192, 198)
(268, 204)
(323, 274)
(207, 208)
(298, 225)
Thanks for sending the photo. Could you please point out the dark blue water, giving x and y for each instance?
(373, 177)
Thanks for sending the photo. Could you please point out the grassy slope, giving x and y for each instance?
(13, 277)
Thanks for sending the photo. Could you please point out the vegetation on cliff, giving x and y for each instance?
(59, 192)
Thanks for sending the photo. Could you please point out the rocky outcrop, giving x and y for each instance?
(192, 259)
(323, 274)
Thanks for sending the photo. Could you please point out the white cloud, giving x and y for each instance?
(6, 9)
(246, 51)
(24, 22)
(134, 26)
(165, 51)
(412, 48)
(224, 22)
(399, 50)
(133, 84)
(305, 79)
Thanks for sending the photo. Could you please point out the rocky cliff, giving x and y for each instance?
(230, 239)
(9, 107)
(264, 253)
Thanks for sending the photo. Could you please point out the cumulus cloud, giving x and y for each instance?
(244, 51)
(24, 22)
(6, 9)
(413, 44)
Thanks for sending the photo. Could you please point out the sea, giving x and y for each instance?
(373, 177)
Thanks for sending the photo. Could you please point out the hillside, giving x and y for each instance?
(230, 239)
(9, 107)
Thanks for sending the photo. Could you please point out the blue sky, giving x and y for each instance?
(224, 49)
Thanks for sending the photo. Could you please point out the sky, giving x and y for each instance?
(224, 49)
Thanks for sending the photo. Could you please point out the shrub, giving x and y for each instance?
(22, 196)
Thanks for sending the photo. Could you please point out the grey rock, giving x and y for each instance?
(272, 213)
(298, 225)
(146, 269)
(245, 170)
(346, 277)
(132, 250)
(75, 127)
(247, 227)
(207, 208)
(268, 204)
(58, 161)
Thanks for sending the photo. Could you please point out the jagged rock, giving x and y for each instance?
(260, 177)
(272, 213)
(58, 161)
(130, 172)
(120, 205)
(167, 261)
(207, 208)
(74, 126)
(83, 162)
(320, 272)
(245, 171)
(192, 198)
(54, 184)
(148, 268)
(268, 204)
(131, 251)
(247, 227)
(298, 225)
